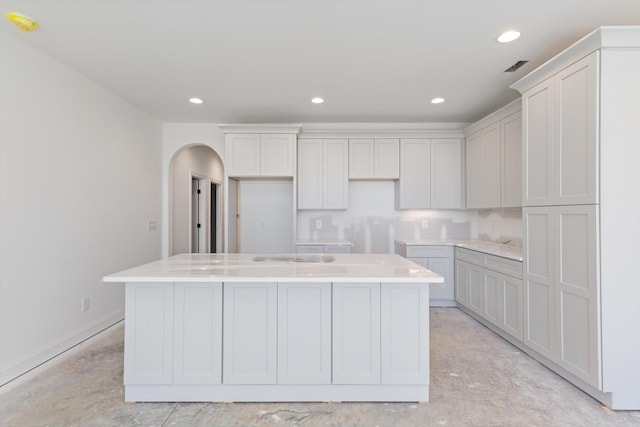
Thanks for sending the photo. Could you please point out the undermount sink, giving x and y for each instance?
(295, 258)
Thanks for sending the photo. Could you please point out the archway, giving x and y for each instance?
(196, 210)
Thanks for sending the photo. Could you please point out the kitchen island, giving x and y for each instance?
(256, 328)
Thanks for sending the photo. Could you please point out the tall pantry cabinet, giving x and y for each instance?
(581, 218)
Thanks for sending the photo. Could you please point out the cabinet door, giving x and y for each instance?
(462, 283)
(337, 249)
(537, 168)
(277, 155)
(492, 290)
(361, 159)
(304, 333)
(415, 176)
(441, 292)
(576, 294)
(243, 158)
(576, 133)
(491, 155)
(475, 280)
(387, 158)
(148, 334)
(446, 173)
(475, 171)
(511, 303)
(511, 151)
(539, 316)
(198, 333)
(356, 333)
(310, 174)
(405, 333)
(336, 174)
(249, 350)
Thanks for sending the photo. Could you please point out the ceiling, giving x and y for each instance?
(261, 61)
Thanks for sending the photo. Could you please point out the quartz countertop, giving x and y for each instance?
(337, 242)
(492, 248)
(279, 268)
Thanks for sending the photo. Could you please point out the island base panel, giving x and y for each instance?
(277, 393)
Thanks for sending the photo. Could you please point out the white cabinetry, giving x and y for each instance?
(491, 287)
(304, 333)
(356, 333)
(430, 174)
(197, 345)
(250, 333)
(377, 158)
(260, 155)
(148, 334)
(561, 287)
(493, 159)
(324, 248)
(561, 138)
(580, 121)
(405, 333)
(438, 259)
(323, 169)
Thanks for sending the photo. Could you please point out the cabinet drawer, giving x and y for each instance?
(503, 265)
(309, 249)
(429, 251)
(470, 256)
(337, 249)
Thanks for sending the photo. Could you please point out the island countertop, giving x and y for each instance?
(278, 268)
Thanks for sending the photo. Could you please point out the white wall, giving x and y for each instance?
(200, 161)
(177, 136)
(80, 173)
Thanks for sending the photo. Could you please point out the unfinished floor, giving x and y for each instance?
(477, 379)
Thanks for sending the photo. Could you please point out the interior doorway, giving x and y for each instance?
(198, 216)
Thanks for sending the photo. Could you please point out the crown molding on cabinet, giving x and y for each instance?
(383, 130)
(496, 116)
(602, 38)
(261, 128)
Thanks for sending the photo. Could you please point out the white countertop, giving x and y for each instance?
(243, 268)
(492, 248)
(337, 242)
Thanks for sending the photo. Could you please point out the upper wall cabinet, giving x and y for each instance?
(323, 173)
(494, 160)
(430, 174)
(260, 155)
(561, 137)
(377, 158)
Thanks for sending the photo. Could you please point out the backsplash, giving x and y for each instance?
(372, 223)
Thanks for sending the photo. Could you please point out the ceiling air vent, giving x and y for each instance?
(515, 66)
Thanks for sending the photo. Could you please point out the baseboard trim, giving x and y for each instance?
(56, 348)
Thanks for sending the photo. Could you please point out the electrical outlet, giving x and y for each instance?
(152, 225)
(318, 224)
(425, 224)
(86, 304)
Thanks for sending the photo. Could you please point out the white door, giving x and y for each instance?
(277, 155)
(415, 174)
(197, 346)
(405, 333)
(250, 333)
(511, 302)
(387, 158)
(537, 122)
(304, 333)
(310, 174)
(491, 155)
(475, 278)
(356, 333)
(441, 291)
(462, 283)
(335, 183)
(361, 158)
(511, 151)
(492, 292)
(266, 217)
(243, 157)
(446, 173)
(148, 333)
(475, 170)
(538, 278)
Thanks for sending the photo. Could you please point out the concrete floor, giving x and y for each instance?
(477, 379)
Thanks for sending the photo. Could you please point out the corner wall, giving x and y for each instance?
(80, 174)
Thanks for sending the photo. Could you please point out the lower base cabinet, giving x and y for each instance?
(492, 295)
(198, 338)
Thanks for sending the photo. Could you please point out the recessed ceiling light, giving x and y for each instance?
(21, 21)
(508, 36)
(317, 100)
(196, 100)
(437, 100)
